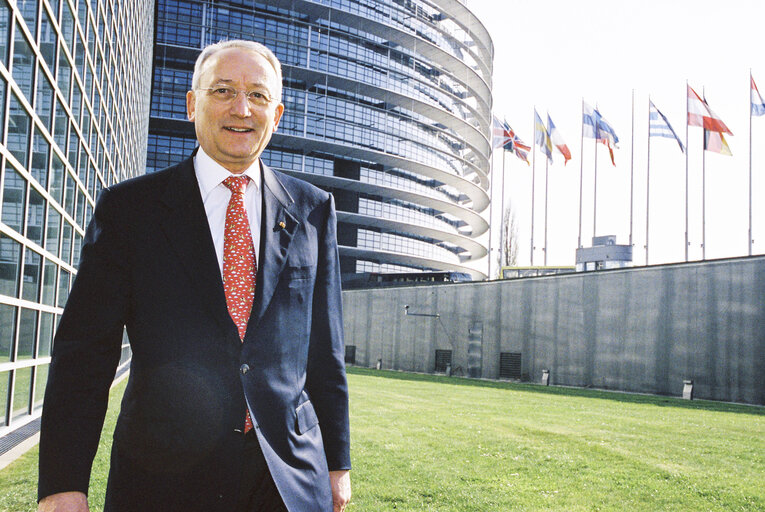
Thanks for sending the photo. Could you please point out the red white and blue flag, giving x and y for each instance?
(517, 146)
(557, 140)
(758, 105)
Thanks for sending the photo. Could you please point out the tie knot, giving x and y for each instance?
(236, 184)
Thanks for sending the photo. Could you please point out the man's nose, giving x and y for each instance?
(240, 106)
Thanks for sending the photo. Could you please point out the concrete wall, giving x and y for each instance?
(641, 329)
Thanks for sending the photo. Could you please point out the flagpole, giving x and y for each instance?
(533, 184)
(704, 189)
(491, 200)
(687, 242)
(547, 165)
(750, 162)
(502, 217)
(595, 184)
(632, 160)
(581, 175)
(648, 181)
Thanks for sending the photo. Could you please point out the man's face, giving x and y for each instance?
(234, 133)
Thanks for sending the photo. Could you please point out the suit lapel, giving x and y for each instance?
(278, 227)
(187, 229)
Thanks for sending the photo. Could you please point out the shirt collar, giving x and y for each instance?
(210, 173)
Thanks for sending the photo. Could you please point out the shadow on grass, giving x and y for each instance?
(619, 396)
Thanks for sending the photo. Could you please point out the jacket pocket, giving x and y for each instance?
(306, 418)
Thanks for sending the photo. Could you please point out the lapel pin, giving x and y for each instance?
(282, 225)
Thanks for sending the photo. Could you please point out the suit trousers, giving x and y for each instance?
(257, 491)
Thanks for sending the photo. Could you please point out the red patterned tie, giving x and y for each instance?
(239, 265)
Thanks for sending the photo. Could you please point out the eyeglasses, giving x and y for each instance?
(226, 94)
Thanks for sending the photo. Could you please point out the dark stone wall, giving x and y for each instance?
(642, 329)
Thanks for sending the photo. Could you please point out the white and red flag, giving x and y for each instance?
(699, 114)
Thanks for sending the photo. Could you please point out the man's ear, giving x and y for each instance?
(190, 105)
(278, 111)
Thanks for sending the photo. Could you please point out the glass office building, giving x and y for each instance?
(388, 106)
(75, 78)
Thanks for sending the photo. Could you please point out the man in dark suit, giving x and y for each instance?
(226, 275)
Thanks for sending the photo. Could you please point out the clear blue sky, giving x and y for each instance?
(553, 53)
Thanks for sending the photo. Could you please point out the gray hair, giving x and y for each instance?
(258, 48)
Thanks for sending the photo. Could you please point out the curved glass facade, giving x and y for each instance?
(388, 106)
(75, 80)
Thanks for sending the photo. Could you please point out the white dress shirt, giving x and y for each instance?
(215, 196)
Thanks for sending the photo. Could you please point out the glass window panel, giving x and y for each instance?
(32, 271)
(10, 263)
(5, 16)
(18, 130)
(64, 76)
(14, 199)
(63, 287)
(5, 380)
(76, 250)
(40, 150)
(71, 189)
(60, 124)
(57, 172)
(48, 40)
(27, 334)
(80, 210)
(76, 103)
(67, 24)
(35, 216)
(46, 334)
(44, 105)
(74, 143)
(41, 379)
(21, 392)
(49, 283)
(23, 63)
(28, 9)
(66, 242)
(7, 331)
(53, 231)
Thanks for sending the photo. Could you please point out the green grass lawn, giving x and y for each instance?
(446, 444)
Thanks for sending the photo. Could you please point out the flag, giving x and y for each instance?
(758, 105)
(557, 140)
(699, 114)
(715, 142)
(516, 145)
(660, 127)
(541, 137)
(499, 136)
(595, 127)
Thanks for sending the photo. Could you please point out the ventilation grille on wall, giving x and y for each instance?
(443, 358)
(510, 365)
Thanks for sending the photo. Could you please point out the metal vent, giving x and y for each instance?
(443, 358)
(510, 365)
(350, 354)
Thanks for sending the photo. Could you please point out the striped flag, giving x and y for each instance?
(595, 127)
(660, 127)
(516, 145)
(541, 137)
(699, 114)
(758, 105)
(557, 140)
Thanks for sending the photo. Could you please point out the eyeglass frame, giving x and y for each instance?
(211, 93)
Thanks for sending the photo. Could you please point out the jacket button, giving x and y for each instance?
(244, 369)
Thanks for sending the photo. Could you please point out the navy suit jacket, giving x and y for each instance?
(148, 263)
